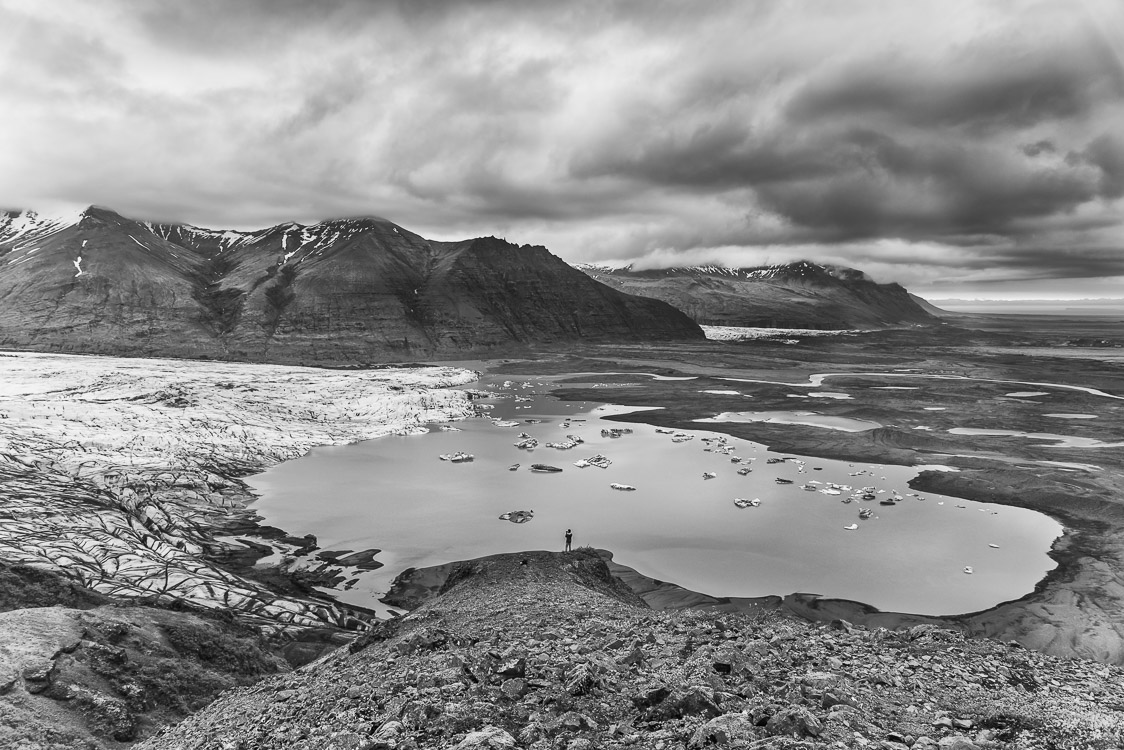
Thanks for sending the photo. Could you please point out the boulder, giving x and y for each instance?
(512, 667)
(794, 721)
(386, 737)
(488, 738)
(691, 701)
(725, 730)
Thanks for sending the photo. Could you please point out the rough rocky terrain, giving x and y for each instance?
(123, 476)
(548, 650)
(795, 295)
(101, 675)
(342, 291)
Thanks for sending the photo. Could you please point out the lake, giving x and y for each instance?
(395, 494)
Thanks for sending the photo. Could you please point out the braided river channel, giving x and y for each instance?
(924, 554)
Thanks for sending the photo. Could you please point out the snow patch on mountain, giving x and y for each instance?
(781, 271)
(33, 226)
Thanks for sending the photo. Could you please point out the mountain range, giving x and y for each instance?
(793, 295)
(350, 290)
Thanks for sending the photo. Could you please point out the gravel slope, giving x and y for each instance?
(547, 650)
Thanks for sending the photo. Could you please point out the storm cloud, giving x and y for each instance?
(960, 147)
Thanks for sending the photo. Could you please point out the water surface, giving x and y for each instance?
(394, 493)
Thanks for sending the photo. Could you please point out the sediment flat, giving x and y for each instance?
(1074, 610)
(124, 473)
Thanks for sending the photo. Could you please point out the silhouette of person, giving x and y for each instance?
(569, 536)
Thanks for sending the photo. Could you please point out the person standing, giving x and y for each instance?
(569, 537)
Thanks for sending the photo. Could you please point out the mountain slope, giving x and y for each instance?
(930, 308)
(94, 282)
(338, 291)
(796, 295)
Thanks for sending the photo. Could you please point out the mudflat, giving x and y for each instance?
(919, 384)
(147, 455)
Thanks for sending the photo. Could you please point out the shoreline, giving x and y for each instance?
(1072, 611)
(1047, 619)
(1037, 619)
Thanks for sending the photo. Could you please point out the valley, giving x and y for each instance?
(167, 480)
(130, 477)
(183, 487)
(1072, 611)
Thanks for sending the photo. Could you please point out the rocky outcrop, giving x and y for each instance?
(97, 677)
(796, 295)
(546, 650)
(344, 291)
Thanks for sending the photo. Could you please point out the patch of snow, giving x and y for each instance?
(78, 265)
(737, 333)
(37, 224)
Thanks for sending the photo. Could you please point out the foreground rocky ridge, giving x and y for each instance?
(793, 295)
(103, 674)
(341, 291)
(123, 474)
(548, 650)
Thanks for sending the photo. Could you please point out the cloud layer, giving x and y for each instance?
(958, 147)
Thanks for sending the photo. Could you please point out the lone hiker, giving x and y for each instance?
(569, 536)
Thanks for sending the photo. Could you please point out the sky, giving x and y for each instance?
(963, 149)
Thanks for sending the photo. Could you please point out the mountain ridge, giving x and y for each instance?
(341, 290)
(801, 294)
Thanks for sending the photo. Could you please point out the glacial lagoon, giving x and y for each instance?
(395, 494)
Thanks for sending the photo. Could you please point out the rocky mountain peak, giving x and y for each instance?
(341, 290)
(95, 215)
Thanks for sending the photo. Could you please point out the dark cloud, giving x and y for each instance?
(986, 86)
(893, 142)
(926, 139)
(727, 153)
(1107, 153)
(927, 188)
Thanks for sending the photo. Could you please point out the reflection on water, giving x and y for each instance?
(395, 494)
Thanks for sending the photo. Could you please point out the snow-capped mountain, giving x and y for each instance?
(790, 295)
(337, 291)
